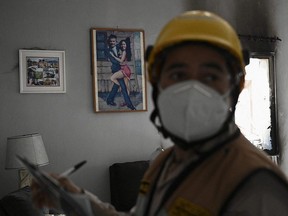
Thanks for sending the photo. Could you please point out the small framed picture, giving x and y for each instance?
(42, 71)
(118, 68)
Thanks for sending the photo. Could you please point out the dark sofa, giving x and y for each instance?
(18, 203)
(125, 181)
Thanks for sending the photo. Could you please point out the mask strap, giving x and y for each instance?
(228, 93)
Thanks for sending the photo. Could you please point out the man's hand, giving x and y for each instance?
(41, 197)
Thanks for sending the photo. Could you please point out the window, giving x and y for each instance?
(256, 108)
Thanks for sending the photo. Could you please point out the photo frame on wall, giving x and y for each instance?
(42, 71)
(118, 69)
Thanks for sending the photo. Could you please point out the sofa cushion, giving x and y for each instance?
(2, 213)
(19, 203)
(125, 181)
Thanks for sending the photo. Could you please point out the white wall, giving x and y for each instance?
(70, 129)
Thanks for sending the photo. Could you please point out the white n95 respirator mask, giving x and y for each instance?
(191, 110)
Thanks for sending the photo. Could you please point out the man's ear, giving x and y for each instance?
(148, 52)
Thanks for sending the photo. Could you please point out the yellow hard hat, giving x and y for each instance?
(199, 26)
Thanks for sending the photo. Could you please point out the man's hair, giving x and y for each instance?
(112, 36)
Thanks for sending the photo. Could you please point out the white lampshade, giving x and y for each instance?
(30, 146)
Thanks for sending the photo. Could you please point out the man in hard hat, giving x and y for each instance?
(196, 68)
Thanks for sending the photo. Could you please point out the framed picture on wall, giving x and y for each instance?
(118, 69)
(42, 71)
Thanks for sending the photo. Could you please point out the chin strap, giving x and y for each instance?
(155, 114)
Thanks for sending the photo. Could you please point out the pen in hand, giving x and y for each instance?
(72, 169)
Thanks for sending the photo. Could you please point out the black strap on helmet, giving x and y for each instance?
(148, 52)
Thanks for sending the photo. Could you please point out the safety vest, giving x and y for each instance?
(208, 186)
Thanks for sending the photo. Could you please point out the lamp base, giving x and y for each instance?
(25, 178)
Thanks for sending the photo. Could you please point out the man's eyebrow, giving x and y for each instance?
(212, 65)
(175, 65)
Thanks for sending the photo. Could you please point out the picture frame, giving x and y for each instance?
(118, 70)
(42, 71)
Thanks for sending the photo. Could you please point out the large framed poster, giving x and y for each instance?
(118, 69)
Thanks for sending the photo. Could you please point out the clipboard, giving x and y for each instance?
(72, 204)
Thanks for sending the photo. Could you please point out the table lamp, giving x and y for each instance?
(30, 146)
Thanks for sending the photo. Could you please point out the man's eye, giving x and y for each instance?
(210, 77)
(177, 75)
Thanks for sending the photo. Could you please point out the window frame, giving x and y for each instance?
(273, 100)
